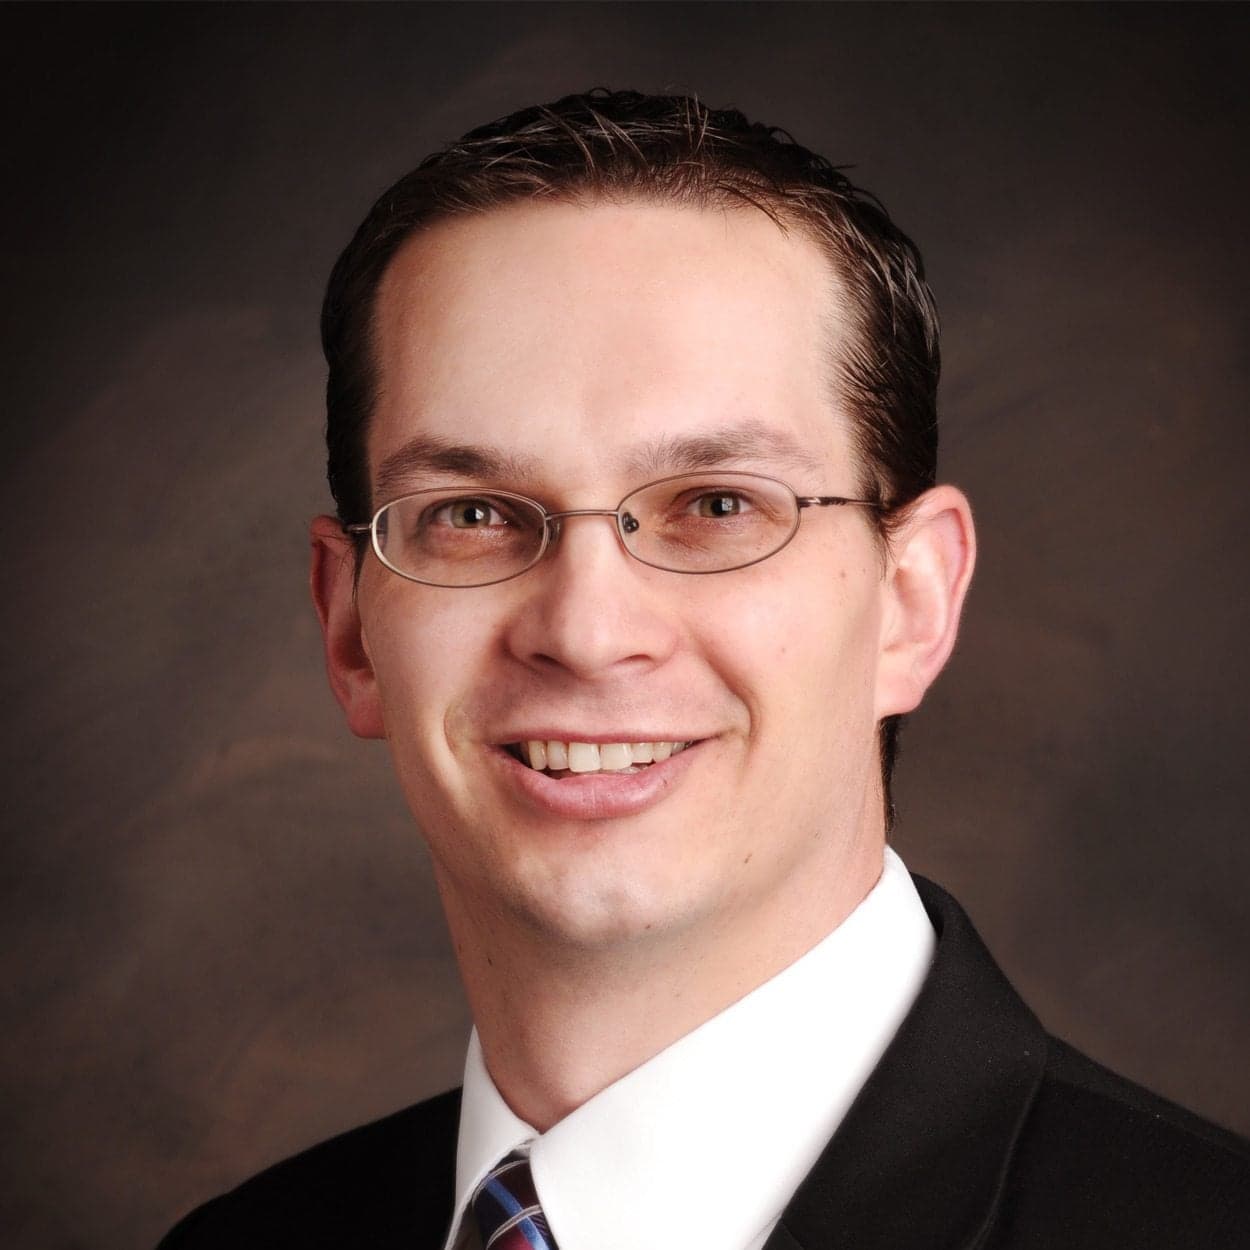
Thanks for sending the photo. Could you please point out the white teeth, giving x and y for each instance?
(613, 756)
(555, 756)
(583, 757)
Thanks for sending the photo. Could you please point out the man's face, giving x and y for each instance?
(584, 347)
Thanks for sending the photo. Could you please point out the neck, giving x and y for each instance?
(559, 1022)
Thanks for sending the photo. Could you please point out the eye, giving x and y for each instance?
(721, 504)
(468, 514)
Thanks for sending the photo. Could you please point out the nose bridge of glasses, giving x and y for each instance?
(554, 520)
(559, 516)
(625, 522)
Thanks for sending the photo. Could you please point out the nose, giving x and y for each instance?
(589, 608)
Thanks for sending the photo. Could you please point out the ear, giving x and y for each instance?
(332, 579)
(929, 568)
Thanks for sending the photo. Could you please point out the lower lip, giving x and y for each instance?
(596, 796)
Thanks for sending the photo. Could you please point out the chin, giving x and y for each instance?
(605, 911)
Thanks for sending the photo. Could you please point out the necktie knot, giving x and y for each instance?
(507, 1210)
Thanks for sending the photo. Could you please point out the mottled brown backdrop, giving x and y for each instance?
(220, 940)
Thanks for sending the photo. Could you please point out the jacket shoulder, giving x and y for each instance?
(1101, 1161)
(1075, 1075)
(383, 1184)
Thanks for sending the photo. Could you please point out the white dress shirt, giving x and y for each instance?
(702, 1146)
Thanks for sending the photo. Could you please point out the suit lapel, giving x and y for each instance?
(919, 1160)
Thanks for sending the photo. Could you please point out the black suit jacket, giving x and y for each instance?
(976, 1131)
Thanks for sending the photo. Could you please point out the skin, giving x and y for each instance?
(584, 333)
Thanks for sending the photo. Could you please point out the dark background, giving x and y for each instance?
(219, 938)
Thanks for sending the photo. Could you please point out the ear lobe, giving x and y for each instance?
(930, 566)
(332, 580)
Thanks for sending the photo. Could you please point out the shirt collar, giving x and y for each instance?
(705, 1142)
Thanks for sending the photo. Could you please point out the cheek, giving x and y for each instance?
(427, 652)
(801, 651)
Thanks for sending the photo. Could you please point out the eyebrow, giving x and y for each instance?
(427, 454)
(745, 440)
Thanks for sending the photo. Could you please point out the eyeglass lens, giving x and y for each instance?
(699, 523)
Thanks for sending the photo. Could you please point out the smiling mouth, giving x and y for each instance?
(576, 759)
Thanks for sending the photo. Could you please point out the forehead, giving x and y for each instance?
(587, 336)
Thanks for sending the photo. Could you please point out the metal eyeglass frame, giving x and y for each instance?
(626, 523)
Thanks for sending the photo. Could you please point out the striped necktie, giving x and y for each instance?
(507, 1210)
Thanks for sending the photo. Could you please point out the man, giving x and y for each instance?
(639, 558)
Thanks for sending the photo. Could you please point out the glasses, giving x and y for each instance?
(693, 523)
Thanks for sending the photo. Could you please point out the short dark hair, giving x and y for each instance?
(623, 145)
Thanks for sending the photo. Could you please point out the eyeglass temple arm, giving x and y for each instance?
(825, 501)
